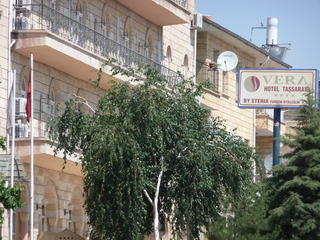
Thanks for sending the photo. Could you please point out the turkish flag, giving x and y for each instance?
(28, 105)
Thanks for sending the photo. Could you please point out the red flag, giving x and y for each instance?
(28, 105)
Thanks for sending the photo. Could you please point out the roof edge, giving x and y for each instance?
(216, 25)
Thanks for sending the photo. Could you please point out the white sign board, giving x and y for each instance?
(275, 88)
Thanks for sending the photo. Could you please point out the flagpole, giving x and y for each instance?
(31, 154)
(12, 98)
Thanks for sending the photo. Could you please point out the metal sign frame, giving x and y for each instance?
(275, 88)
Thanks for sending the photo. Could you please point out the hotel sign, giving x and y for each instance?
(283, 88)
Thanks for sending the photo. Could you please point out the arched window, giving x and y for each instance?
(67, 8)
(168, 59)
(51, 4)
(79, 13)
(149, 44)
(52, 103)
(50, 15)
(43, 227)
(128, 38)
(106, 26)
(185, 66)
(149, 47)
(23, 86)
(103, 26)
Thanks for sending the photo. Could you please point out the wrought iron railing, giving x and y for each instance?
(42, 17)
(40, 123)
(182, 3)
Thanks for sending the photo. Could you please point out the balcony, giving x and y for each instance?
(160, 12)
(43, 151)
(72, 47)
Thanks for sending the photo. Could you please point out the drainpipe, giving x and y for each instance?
(9, 59)
(9, 82)
(195, 62)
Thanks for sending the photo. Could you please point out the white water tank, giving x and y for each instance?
(272, 31)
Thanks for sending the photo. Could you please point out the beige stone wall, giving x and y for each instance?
(179, 45)
(56, 191)
(4, 24)
(47, 79)
(221, 98)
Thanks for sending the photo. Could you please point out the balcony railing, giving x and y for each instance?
(42, 17)
(40, 121)
(182, 3)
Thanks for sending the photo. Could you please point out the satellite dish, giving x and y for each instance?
(268, 162)
(227, 61)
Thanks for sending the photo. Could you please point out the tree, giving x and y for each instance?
(245, 220)
(10, 197)
(3, 143)
(294, 191)
(149, 154)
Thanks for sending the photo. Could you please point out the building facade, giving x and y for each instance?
(221, 98)
(69, 41)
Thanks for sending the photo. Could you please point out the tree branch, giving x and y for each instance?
(84, 101)
(158, 185)
(228, 152)
(148, 197)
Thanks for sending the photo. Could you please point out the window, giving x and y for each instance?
(67, 8)
(103, 26)
(70, 220)
(23, 86)
(213, 79)
(215, 55)
(169, 57)
(43, 220)
(128, 36)
(149, 47)
(79, 13)
(52, 103)
(225, 82)
(118, 28)
(185, 66)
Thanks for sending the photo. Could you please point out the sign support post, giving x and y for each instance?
(276, 136)
(276, 89)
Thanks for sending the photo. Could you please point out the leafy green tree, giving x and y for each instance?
(10, 197)
(245, 220)
(149, 154)
(295, 189)
(3, 143)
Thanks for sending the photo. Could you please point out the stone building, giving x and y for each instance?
(69, 40)
(255, 126)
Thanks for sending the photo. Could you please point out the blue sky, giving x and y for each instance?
(298, 24)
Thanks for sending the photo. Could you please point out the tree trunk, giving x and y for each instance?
(156, 222)
(155, 209)
(154, 204)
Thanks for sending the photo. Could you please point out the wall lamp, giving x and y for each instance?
(39, 206)
(66, 211)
